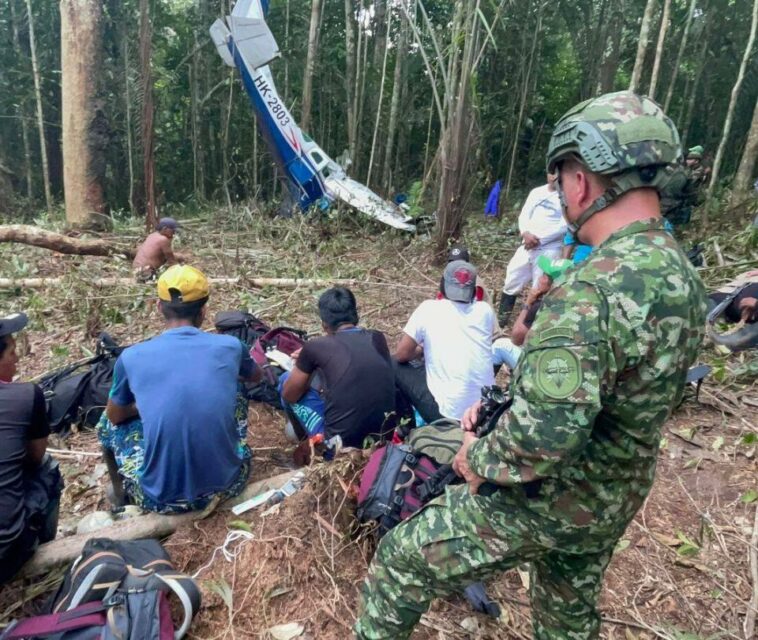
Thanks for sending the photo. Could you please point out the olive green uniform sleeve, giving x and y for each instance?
(556, 390)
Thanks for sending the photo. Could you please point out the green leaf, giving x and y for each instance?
(621, 545)
(750, 438)
(239, 524)
(688, 547)
(222, 588)
(749, 496)
(718, 443)
(692, 462)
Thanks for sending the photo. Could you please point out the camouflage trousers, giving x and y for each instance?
(459, 539)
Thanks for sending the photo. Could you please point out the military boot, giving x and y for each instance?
(507, 302)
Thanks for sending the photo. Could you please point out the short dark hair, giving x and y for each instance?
(3, 345)
(337, 306)
(184, 311)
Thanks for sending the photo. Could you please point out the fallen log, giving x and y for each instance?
(36, 283)
(151, 525)
(28, 234)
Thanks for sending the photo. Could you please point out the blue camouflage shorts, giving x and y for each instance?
(126, 441)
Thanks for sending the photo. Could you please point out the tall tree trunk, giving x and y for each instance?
(310, 65)
(688, 107)
(148, 132)
(85, 132)
(639, 61)
(732, 103)
(659, 47)
(379, 105)
(40, 116)
(350, 64)
(129, 144)
(397, 88)
(22, 111)
(744, 176)
(523, 102)
(381, 30)
(678, 62)
(611, 60)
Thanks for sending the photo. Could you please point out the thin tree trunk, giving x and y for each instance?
(286, 53)
(659, 47)
(85, 133)
(361, 98)
(382, 31)
(310, 65)
(732, 103)
(350, 64)
(40, 116)
(129, 145)
(22, 111)
(524, 99)
(682, 47)
(611, 60)
(379, 105)
(639, 61)
(148, 133)
(744, 176)
(397, 88)
(688, 108)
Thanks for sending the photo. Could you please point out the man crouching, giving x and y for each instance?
(174, 429)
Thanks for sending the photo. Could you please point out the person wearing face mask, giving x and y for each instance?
(561, 475)
(30, 481)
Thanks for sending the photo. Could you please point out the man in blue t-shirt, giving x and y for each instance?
(174, 429)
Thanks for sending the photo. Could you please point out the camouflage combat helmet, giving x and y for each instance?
(621, 135)
(695, 152)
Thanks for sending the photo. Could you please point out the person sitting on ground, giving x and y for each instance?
(355, 386)
(542, 228)
(156, 250)
(454, 334)
(30, 481)
(175, 426)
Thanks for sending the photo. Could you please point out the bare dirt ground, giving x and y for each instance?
(681, 571)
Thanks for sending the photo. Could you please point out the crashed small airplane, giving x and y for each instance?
(245, 41)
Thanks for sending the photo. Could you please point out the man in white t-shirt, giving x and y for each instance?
(455, 334)
(542, 229)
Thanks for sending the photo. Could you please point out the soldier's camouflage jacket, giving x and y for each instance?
(605, 361)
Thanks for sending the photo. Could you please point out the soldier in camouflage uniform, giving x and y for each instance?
(604, 365)
(684, 190)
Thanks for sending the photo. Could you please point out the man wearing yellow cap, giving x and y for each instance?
(174, 428)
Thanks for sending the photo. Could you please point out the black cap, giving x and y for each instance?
(12, 324)
(458, 252)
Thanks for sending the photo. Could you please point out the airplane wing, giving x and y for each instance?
(363, 199)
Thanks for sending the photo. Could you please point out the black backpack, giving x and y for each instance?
(115, 590)
(242, 325)
(78, 393)
(257, 335)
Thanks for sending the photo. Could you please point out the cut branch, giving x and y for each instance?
(152, 525)
(36, 283)
(27, 234)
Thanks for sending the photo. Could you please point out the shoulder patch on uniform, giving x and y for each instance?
(556, 332)
(558, 373)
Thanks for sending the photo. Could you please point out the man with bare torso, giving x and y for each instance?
(156, 250)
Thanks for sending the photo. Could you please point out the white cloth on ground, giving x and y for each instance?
(457, 342)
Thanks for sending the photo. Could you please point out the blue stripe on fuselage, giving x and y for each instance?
(296, 166)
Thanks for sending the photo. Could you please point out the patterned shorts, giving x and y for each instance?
(126, 441)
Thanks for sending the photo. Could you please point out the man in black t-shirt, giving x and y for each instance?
(30, 482)
(355, 380)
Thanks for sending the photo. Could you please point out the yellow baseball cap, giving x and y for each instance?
(182, 283)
